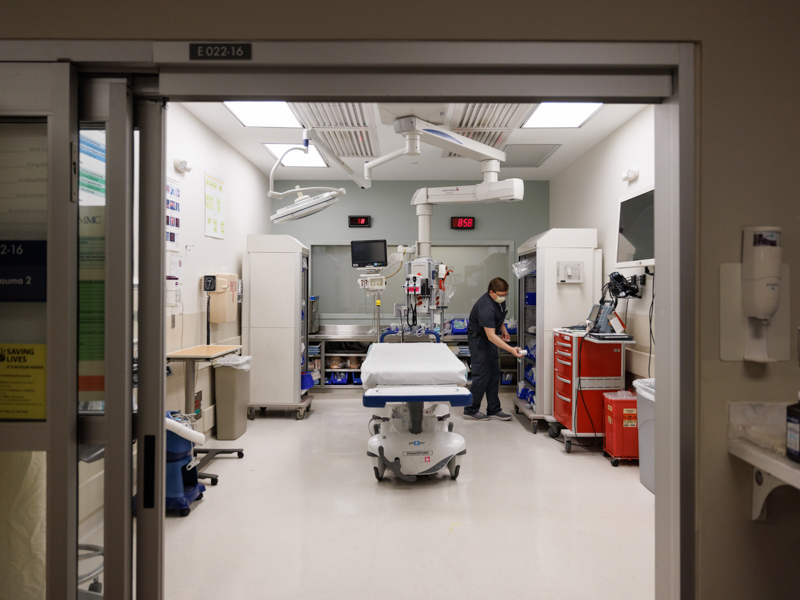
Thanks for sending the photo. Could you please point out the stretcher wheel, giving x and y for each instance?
(378, 476)
(251, 413)
(535, 426)
(184, 512)
(240, 454)
(568, 446)
(450, 426)
(615, 462)
(516, 409)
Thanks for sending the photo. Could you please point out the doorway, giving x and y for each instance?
(443, 70)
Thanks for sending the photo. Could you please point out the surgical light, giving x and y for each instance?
(297, 159)
(561, 114)
(263, 114)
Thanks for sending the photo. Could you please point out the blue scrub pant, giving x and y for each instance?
(485, 375)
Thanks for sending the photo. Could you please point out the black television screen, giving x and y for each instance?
(635, 242)
(368, 253)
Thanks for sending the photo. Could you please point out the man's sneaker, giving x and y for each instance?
(501, 416)
(478, 416)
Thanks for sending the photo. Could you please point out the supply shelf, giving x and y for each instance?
(757, 435)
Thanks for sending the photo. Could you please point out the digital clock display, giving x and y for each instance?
(462, 222)
(360, 221)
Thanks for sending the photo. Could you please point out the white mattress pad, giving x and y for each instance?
(412, 364)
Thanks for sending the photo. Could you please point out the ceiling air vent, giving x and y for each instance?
(347, 127)
(487, 123)
(528, 155)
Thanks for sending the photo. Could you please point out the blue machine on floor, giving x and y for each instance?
(182, 487)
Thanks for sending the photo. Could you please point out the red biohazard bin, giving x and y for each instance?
(620, 426)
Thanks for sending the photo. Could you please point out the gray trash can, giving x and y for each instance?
(646, 409)
(232, 391)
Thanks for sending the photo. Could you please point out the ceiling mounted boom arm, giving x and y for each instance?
(312, 136)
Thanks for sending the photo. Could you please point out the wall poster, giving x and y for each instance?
(215, 208)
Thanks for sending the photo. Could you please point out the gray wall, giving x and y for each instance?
(393, 217)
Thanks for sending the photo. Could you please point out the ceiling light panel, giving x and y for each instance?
(347, 127)
(263, 114)
(559, 115)
(297, 158)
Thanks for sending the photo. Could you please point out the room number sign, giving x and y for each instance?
(213, 51)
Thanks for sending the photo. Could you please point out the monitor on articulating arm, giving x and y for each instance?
(368, 253)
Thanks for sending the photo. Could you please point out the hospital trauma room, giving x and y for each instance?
(329, 271)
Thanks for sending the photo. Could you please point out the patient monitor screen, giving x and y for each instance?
(368, 253)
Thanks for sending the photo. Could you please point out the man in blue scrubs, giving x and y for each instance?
(486, 332)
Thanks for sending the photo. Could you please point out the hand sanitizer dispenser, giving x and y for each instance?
(761, 286)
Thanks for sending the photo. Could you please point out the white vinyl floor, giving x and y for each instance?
(302, 516)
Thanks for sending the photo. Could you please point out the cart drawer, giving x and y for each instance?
(563, 365)
(563, 383)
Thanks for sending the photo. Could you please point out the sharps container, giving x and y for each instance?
(232, 392)
(646, 407)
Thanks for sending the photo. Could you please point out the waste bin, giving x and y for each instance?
(646, 407)
(232, 391)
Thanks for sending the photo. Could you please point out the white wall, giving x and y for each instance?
(247, 211)
(247, 205)
(587, 194)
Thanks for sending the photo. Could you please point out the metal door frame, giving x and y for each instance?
(663, 73)
(50, 90)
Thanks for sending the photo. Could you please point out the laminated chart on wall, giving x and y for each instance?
(215, 208)
(23, 382)
(173, 215)
(91, 269)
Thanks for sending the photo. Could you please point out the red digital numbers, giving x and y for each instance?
(462, 223)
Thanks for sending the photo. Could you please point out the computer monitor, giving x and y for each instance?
(368, 253)
(635, 242)
(594, 313)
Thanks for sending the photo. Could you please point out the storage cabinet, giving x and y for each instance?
(557, 289)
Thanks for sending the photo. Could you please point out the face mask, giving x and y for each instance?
(499, 299)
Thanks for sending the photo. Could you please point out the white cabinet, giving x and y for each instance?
(275, 318)
(547, 302)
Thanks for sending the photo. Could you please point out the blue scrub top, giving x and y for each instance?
(486, 313)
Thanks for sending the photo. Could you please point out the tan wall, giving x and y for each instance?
(748, 90)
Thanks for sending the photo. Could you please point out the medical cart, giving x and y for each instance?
(584, 367)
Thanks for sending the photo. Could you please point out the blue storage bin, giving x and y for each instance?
(530, 298)
(306, 381)
(507, 379)
(460, 326)
(339, 378)
(356, 379)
